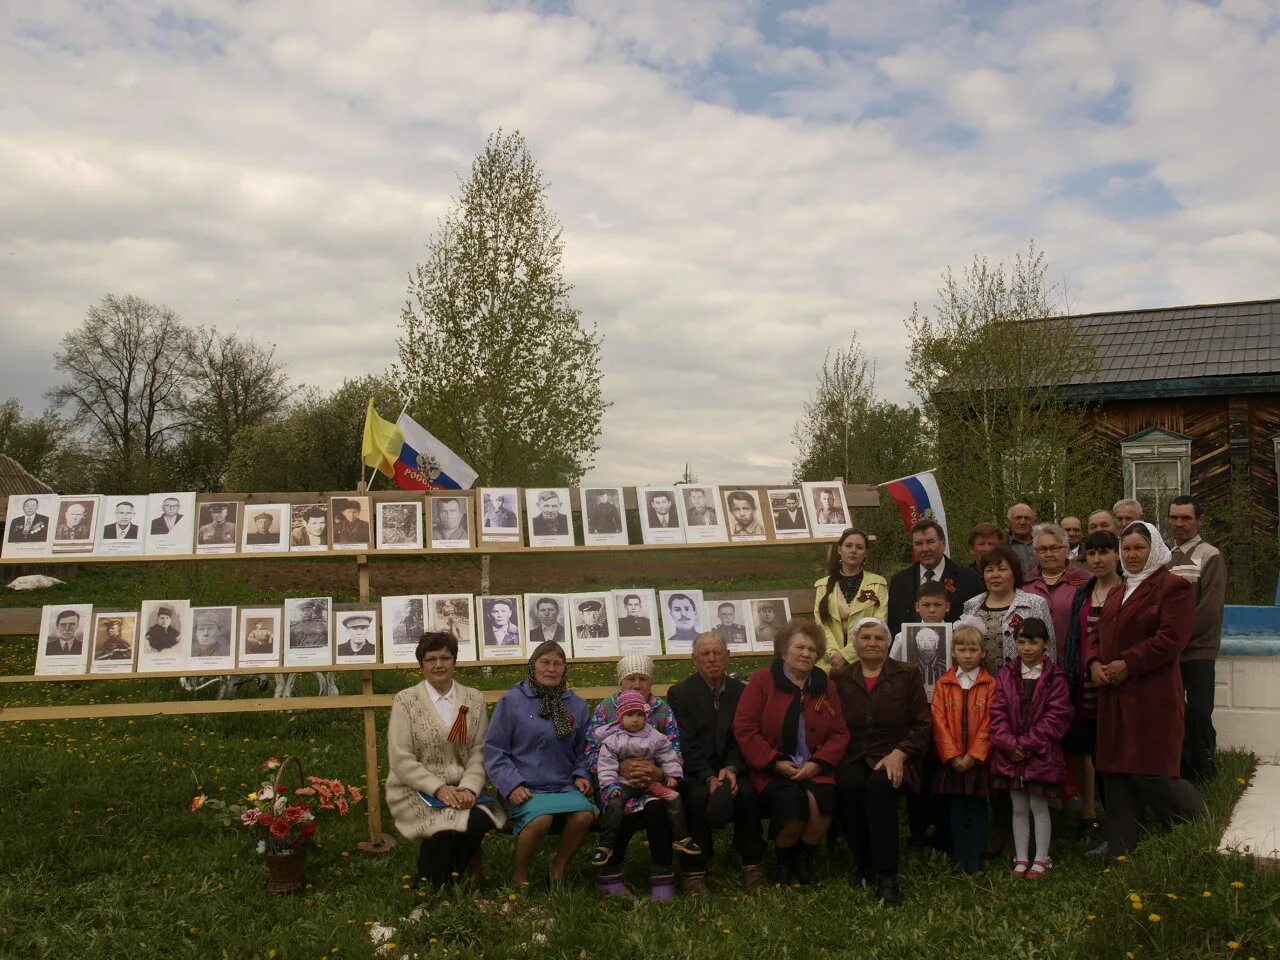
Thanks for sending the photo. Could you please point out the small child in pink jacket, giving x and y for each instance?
(631, 736)
(1030, 716)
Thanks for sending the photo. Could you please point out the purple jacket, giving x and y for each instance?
(1038, 730)
(617, 745)
(522, 749)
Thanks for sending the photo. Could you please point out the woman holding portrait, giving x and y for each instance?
(435, 748)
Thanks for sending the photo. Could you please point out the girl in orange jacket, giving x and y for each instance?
(961, 733)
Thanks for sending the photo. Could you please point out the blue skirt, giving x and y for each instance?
(547, 804)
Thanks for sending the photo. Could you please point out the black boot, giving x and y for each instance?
(804, 870)
(783, 860)
(890, 895)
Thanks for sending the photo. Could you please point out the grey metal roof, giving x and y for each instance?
(15, 481)
(1209, 340)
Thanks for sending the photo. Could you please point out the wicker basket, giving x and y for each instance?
(287, 870)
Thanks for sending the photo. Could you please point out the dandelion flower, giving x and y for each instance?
(1172, 896)
(1242, 781)
(1153, 917)
(513, 897)
(1237, 884)
(1135, 897)
(1092, 916)
(1122, 859)
(1207, 894)
(1233, 944)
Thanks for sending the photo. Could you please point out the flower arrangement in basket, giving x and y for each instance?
(281, 820)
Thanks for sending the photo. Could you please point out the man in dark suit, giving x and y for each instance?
(65, 641)
(715, 788)
(501, 628)
(169, 517)
(31, 527)
(603, 515)
(660, 512)
(357, 643)
(550, 522)
(929, 544)
(124, 528)
(634, 625)
(790, 517)
(547, 625)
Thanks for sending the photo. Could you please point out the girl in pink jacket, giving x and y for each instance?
(1031, 714)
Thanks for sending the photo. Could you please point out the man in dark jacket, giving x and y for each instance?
(929, 544)
(715, 788)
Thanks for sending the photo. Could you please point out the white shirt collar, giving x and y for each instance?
(968, 678)
(937, 571)
(1031, 673)
(437, 696)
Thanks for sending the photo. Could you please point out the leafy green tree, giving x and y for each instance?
(494, 359)
(989, 367)
(38, 443)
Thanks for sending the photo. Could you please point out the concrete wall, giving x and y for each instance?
(1246, 709)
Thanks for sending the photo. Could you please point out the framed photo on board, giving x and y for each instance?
(173, 522)
(550, 516)
(455, 613)
(264, 528)
(29, 525)
(499, 514)
(308, 530)
(308, 631)
(595, 630)
(746, 519)
(404, 621)
(357, 636)
(500, 637)
(546, 617)
(260, 636)
(659, 516)
(63, 646)
(450, 522)
(790, 520)
(352, 529)
(217, 523)
(767, 617)
(399, 524)
(123, 526)
(74, 526)
(700, 514)
(213, 638)
(733, 622)
(636, 613)
(682, 619)
(166, 635)
(830, 511)
(115, 642)
(604, 521)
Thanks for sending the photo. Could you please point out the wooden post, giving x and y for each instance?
(379, 843)
(484, 574)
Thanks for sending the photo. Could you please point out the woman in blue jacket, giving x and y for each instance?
(535, 754)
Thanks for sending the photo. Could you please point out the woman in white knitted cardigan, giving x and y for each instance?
(435, 742)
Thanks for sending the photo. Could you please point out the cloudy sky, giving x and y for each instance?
(742, 183)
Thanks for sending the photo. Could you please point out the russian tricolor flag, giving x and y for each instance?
(918, 497)
(427, 464)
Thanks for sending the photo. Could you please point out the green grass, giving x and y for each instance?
(100, 857)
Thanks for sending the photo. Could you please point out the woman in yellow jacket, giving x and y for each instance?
(845, 595)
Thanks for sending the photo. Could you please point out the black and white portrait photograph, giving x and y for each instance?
(28, 525)
(928, 646)
(790, 520)
(308, 631)
(166, 635)
(682, 619)
(357, 636)
(404, 621)
(659, 516)
(499, 513)
(733, 622)
(123, 525)
(767, 618)
(260, 633)
(218, 526)
(213, 632)
(500, 637)
(264, 527)
(74, 526)
(308, 527)
(546, 617)
(455, 613)
(450, 522)
(604, 521)
(701, 514)
(115, 638)
(63, 646)
(830, 512)
(593, 626)
(746, 520)
(399, 524)
(352, 529)
(171, 527)
(636, 613)
(550, 514)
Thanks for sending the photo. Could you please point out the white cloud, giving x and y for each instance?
(275, 168)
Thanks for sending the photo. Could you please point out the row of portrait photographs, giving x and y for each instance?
(171, 635)
(703, 513)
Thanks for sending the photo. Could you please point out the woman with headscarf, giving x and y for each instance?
(845, 595)
(890, 728)
(635, 672)
(1133, 657)
(536, 756)
(435, 746)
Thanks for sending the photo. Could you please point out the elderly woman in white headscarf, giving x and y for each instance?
(1133, 658)
(890, 728)
(635, 672)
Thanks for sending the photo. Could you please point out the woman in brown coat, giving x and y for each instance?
(1133, 658)
(890, 728)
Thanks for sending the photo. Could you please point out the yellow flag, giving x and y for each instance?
(382, 442)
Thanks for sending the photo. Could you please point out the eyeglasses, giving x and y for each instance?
(1055, 548)
(436, 661)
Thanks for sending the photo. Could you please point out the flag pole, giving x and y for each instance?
(908, 476)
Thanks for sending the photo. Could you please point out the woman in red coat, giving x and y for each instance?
(1133, 658)
(792, 734)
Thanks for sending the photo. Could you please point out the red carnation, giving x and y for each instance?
(309, 829)
(280, 829)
